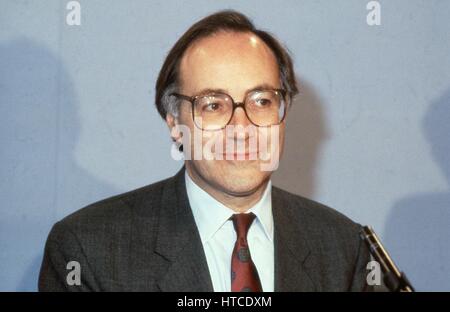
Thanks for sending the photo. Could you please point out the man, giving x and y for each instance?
(218, 224)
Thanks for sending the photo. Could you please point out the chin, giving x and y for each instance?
(236, 178)
(241, 178)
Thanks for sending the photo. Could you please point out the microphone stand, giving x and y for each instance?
(395, 280)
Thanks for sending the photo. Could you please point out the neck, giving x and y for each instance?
(238, 202)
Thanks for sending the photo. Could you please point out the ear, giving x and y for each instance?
(172, 123)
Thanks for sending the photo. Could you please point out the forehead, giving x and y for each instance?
(227, 60)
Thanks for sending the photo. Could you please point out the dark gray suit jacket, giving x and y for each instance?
(147, 240)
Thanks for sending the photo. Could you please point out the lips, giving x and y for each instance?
(245, 155)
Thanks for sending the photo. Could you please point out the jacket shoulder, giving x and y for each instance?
(116, 232)
(339, 255)
(315, 212)
(325, 227)
(116, 209)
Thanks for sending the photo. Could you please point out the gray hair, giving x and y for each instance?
(171, 103)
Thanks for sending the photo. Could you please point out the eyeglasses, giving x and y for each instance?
(214, 111)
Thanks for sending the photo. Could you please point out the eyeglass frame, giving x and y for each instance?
(193, 98)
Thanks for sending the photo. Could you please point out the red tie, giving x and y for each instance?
(244, 276)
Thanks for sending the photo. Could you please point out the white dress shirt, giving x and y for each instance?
(218, 235)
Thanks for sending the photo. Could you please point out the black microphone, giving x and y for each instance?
(393, 279)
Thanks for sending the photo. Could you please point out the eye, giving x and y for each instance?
(263, 102)
(212, 107)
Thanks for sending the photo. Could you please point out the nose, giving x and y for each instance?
(240, 117)
(243, 128)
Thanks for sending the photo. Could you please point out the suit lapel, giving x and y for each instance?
(179, 242)
(292, 253)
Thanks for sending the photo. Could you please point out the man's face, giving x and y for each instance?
(235, 63)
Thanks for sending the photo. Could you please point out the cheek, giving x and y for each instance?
(272, 135)
(213, 144)
(185, 115)
(281, 136)
(186, 124)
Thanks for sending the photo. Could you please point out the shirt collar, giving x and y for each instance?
(210, 214)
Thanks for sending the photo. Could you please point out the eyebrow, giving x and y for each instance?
(263, 86)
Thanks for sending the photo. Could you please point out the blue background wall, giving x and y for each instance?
(369, 135)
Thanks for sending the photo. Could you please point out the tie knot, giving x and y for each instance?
(242, 222)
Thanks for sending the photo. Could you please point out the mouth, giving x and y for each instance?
(253, 155)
